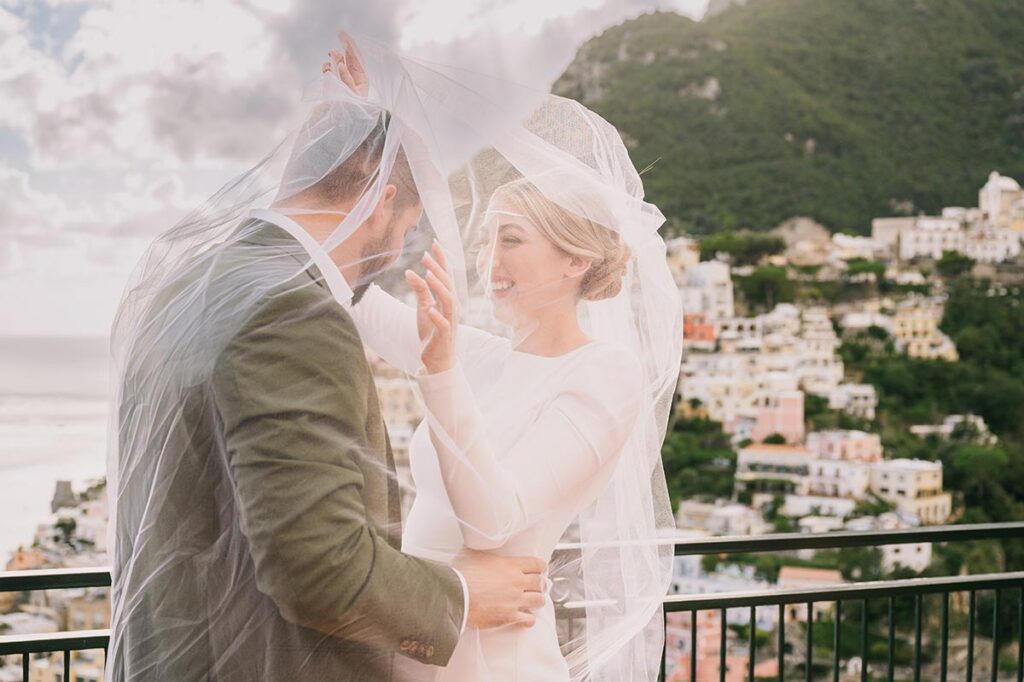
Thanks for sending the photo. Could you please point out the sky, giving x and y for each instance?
(117, 116)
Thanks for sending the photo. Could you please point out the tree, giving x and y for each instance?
(766, 286)
(953, 264)
(775, 439)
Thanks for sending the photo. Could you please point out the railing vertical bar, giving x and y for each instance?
(24, 668)
(67, 665)
(944, 655)
(970, 636)
(864, 641)
(836, 640)
(1020, 636)
(721, 646)
(753, 643)
(782, 642)
(693, 644)
(892, 639)
(810, 641)
(917, 638)
(664, 645)
(995, 636)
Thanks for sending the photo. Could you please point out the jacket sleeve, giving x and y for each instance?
(292, 389)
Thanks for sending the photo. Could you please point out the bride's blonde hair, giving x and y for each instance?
(574, 235)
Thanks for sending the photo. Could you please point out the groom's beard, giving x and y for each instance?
(374, 258)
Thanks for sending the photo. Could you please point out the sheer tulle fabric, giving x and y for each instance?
(213, 578)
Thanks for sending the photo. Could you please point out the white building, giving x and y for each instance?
(859, 400)
(819, 369)
(862, 320)
(930, 236)
(913, 555)
(992, 245)
(796, 506)
(839, 478)
(970, 423)
(719, 518)
(886, 232)
(1001, 201)
(848, 247)
(682, 253)
(914, 486)
(708, 289)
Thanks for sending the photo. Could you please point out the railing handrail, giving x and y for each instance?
(99, 576)
(54, 579)
(773, 542)
(46, 642)
(835, 592)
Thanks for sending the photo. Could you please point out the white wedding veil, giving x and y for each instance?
(196, 594)
(566, 162)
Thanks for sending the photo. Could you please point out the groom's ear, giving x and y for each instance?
(385, 208)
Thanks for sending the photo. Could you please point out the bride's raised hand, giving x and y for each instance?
(348, 67)
(437, 311)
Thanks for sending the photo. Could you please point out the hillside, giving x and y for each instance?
(841, 111)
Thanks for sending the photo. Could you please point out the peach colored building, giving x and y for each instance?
(796, 577)
(784, 414)
(776, 467)
(848, 446)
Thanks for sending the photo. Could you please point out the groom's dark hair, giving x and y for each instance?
(353, 175)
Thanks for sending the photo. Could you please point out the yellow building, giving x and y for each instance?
(914, 486)
(916, 330)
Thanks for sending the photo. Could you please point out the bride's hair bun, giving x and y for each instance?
(604, 278)
(609, 256)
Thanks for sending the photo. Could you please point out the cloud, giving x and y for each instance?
(131, 112)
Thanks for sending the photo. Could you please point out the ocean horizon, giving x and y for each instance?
(54, 405)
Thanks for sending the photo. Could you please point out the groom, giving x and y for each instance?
(282, 561)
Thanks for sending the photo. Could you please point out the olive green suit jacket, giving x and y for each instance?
(315, 483)
(264, 506)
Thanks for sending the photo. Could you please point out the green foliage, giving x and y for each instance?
(775, 439)
(746, 248)
(870, 506)
(987, 481)
(954, 264)
(822, 109)
(766, 286)
(859, 266)
(699, 461)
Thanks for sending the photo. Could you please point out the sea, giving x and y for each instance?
(54, 404)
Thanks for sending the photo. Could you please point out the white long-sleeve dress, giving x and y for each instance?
(520, 445)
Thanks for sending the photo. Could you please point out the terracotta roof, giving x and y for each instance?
(802, 573)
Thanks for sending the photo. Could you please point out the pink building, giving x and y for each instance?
(708, 646)
(783, 415)
(848, 446)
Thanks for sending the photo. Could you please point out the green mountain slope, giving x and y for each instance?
(842, 110)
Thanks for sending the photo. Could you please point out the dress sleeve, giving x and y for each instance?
(387, 326)
(578, 436)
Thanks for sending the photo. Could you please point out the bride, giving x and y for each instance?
(549, 420)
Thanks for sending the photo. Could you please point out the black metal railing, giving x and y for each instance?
(66, 642)
(850, 593)
(1000, 584)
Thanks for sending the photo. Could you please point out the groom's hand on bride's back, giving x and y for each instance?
(502, 590)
